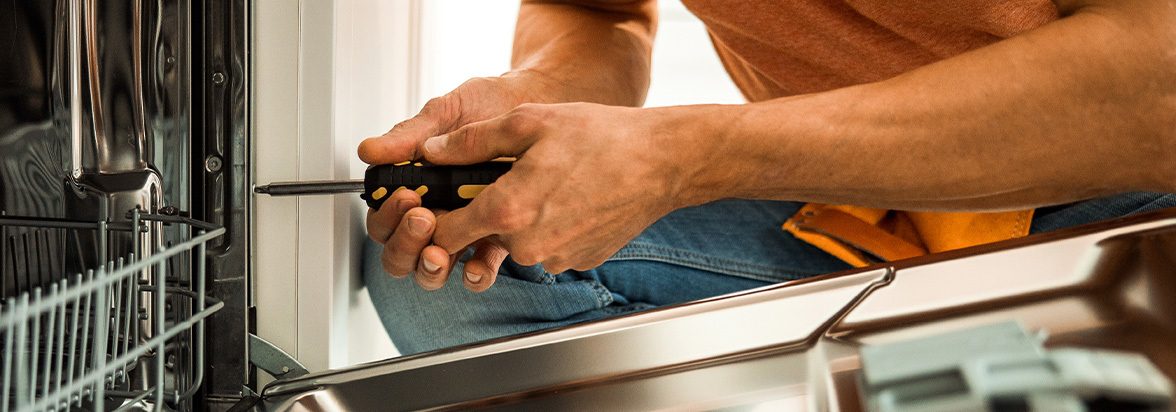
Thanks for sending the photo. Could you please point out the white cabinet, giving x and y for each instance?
(328, 74)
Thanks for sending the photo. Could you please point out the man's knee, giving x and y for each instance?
(418, 320)
(412, 316)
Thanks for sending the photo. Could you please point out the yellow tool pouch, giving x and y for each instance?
(862, 236)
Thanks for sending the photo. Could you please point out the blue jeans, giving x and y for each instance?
(693, 253)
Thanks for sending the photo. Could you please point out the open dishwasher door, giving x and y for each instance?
(794, 346)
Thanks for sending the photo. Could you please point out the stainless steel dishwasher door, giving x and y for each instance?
(793, 346)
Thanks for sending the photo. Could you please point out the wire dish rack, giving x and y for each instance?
(126, 334)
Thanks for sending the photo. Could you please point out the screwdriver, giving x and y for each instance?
(440, 187)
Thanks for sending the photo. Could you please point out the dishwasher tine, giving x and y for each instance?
(3, 267)
(128, 318)
(21, 338)
(73, 336)
(161, 350)
(35, 343)
(83, 350)
(51, 336)
(64, 282)
(100, 331)
(9, 352)
(116, 317)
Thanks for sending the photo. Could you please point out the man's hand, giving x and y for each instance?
(589, 178)
(401, 225)
(586, 50)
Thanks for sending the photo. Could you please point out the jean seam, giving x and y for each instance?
(645, 250)
(632, 307)
(649, 248)
(603, 295)
(712, 268)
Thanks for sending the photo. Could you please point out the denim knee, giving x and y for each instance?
(418, 320)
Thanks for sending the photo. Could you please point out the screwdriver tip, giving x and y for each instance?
(263, 189)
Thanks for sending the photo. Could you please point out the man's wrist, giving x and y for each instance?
(535, 86)
(563, 84)
(698, 138)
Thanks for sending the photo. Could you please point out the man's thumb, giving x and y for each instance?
(400, 144)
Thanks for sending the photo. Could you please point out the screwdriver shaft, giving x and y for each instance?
(323, 187)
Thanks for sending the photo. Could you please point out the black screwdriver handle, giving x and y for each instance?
(440, 187)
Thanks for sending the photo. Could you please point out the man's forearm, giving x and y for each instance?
(1081, 107)
(594, 51)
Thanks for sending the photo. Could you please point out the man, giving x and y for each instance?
(944, 124)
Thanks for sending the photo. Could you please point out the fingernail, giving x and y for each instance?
(436, 144)
(473, 277)
(404, 205)
(430, 266)
(418, 225)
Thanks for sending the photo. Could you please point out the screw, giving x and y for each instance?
(218, 78)
(168, 210)
(213, 163)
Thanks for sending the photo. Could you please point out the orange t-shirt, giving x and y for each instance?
(781, 48)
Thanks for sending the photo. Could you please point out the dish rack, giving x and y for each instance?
(127, 334)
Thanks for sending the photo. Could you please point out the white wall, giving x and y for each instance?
(470, 38)
(686, 69)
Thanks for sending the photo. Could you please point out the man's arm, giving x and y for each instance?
(596, 51)
(1081, 107)
(564, 51)
(1077, 108)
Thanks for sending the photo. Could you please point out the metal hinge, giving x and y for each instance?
(273, 360)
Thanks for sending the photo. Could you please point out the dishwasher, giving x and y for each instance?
(131, 253)
(123, 219)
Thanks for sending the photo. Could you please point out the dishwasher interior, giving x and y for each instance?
(138, 272)
(123, 215)
(131, 133)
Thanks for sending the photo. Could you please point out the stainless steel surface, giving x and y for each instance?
(691, 336)
(124, 91)
(106, 43)
(324, 187)
(92, 93)
(33, 153)
(1108, 285)
(99, 356)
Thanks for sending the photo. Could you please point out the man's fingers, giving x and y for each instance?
(381, 223)
(482, 269)
(462, 227)
(507, 135)
(405, 245)
(401, 143)
(433, 268)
